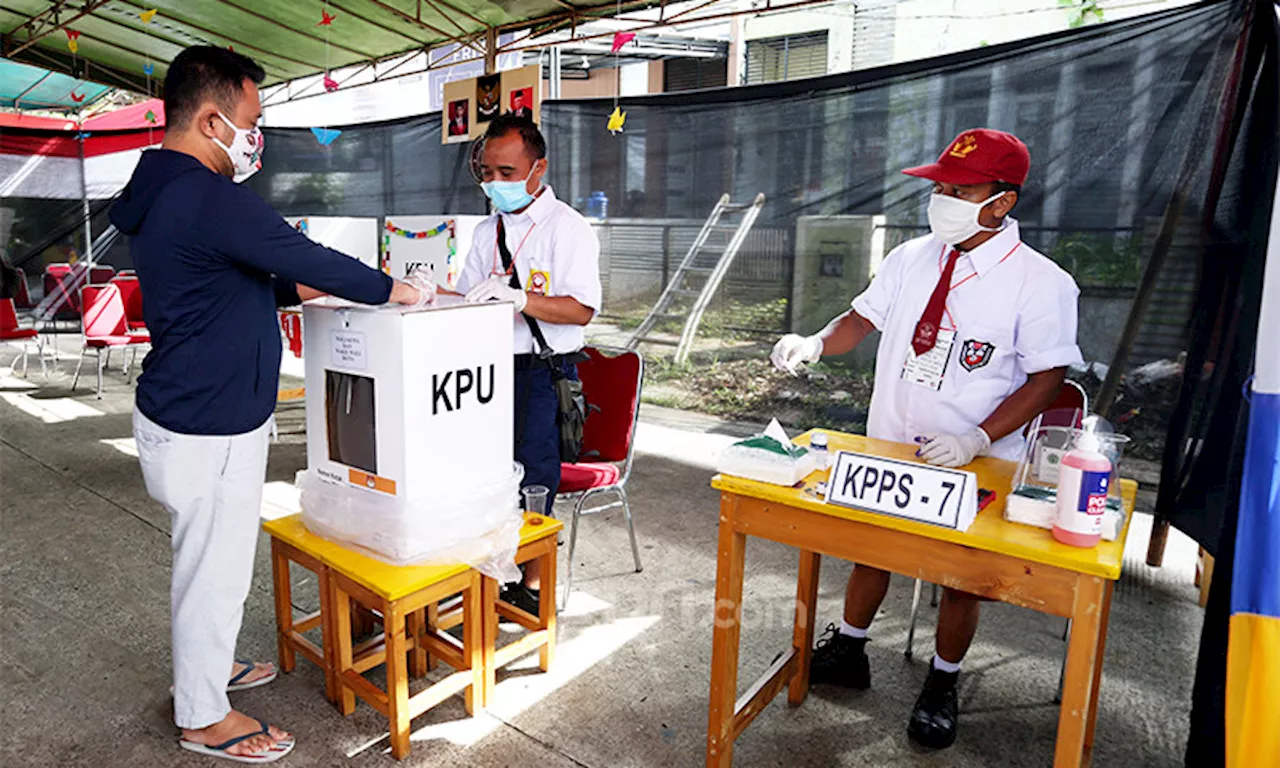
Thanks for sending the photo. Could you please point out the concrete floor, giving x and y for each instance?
(84, 654)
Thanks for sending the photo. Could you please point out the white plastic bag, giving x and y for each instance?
(478, 526)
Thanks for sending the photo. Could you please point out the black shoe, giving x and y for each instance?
(840, 660)
(933, 723)
(521, 597)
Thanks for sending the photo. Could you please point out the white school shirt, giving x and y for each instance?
(1014, 313)
(556, 253)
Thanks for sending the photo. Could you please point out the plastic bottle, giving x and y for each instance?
(818, 445)
(1082, 495)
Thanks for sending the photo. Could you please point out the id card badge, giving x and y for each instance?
(927, 370)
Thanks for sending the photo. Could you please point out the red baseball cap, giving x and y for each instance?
(979, 156)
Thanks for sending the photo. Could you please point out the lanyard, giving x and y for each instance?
(968, 277)
(497, 259)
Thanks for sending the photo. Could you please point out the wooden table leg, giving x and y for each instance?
(1156, 544)
(806, 612)
(433, 621)
(284, 606)
(393, 621)
(340, 603)
(1083, 665)
(474, 642)
(1104, 619)
(489, 589)
(328, 637)
(547, 609)
(415, 627)
(730, 553)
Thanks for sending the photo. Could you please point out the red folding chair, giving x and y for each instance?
(105, 328)
(11, 331)
(611, 384)
(131, 293)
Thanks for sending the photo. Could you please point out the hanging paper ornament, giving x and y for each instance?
(326, 136)
(326, 19)
(616, 119)
(147, 15)
(620, 39)
(330, 84)
(151, 117)
(72, 34)
(73, 46)
(77, 97)
(149, 69)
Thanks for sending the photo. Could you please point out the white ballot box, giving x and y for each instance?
(409, 424)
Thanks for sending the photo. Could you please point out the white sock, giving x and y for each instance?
(848, 630)
(943, 665)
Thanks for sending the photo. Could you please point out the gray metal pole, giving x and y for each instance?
(84, 200)
(554, 88)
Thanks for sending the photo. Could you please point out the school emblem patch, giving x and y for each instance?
(540, 282)
(974, 354)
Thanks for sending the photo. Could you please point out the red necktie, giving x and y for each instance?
(927, 329)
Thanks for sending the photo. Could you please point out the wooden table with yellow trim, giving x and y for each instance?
(1017, 564)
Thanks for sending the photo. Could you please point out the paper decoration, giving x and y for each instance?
(326, 136)
(423, 235)
(147, 15)
(149, 69)
(77, 97)
(330, 84)
(73, 46)
(326, 19)
(151, 117)
(616, 119)
(302, 226)
(620, 39)
(72, 34)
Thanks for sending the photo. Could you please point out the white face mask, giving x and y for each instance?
(954, 221)
(245, 150)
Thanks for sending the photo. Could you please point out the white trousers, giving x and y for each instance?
(212, 487)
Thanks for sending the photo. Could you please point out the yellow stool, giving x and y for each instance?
(408, 599)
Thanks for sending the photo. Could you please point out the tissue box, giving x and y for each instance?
(769, 457)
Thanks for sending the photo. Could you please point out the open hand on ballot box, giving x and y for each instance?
(417, 290)
(496, 288)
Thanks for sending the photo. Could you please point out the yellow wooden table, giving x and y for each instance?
(1013, 563)
(406, 597)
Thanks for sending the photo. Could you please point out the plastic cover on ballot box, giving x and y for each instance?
(476, 524)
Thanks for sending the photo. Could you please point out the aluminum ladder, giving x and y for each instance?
(674, 304)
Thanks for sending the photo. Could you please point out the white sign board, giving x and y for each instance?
(437, 243)
(358, 238)
(934, 495)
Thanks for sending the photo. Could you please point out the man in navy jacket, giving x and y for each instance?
(215, 261)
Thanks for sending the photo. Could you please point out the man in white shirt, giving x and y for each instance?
(977, 331)
(556, 257)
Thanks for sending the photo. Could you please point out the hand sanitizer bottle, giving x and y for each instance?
(1082, 494)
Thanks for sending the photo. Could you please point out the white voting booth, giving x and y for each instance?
(356, 237)
(409, 430)
(439, 243)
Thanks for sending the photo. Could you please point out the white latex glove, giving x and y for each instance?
(793, 350)
(955, 450)
(497, 289)
(420, 278)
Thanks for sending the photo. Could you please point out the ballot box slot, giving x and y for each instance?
(350, 420)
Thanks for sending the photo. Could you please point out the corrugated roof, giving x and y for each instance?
(27, 87)
(117, 41)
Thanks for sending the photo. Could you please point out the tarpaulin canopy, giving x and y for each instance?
(119, 41)
(27, 87)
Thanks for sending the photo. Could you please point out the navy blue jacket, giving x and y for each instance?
(214, 262)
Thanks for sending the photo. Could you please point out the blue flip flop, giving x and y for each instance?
(220, 750)
(234, 683)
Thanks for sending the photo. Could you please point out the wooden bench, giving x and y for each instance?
(408, 599)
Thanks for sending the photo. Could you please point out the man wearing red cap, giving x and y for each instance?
(977, 331)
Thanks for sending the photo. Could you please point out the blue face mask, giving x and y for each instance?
(509, 196)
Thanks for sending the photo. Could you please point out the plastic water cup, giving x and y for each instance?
(535, 498)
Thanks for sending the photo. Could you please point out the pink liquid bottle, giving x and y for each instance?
(1082, 495)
